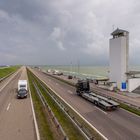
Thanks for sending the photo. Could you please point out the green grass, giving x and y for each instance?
(43, 124)
(72, 113)
(130, 109)
(5, 71)
(89, 129)
(70, 129)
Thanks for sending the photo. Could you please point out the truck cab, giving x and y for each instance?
(82, 86)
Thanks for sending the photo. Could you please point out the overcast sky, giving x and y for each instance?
(65, 31)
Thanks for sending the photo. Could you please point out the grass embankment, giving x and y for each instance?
(92, 133)
(89, 129)
(130, 109)
(71, 131)
(5, 71)
(43, 124)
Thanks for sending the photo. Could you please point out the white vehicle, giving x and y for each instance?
(22, 89)
(22, 84)
(55, 72)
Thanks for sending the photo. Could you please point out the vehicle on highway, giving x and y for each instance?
(22, 84)
(22, 93)
(22, 89)
(83, 90)
(70, 76)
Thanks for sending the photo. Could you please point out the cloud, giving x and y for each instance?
(58, 32)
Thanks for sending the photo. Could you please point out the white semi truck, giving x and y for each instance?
(22, 89)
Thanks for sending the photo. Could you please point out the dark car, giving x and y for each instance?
(70, 76)
(22, 93)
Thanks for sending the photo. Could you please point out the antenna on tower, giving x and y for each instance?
(113, 27)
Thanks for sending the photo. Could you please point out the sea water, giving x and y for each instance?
(86, 71)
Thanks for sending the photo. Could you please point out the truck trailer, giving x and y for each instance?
(83, 90)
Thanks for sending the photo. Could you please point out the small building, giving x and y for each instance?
(133, 82)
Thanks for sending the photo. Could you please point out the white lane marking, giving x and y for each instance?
(34, 116)
(105, 138)
(8, 106)
(130, 112)
(12, 76)
(101, 110)
(69, 91)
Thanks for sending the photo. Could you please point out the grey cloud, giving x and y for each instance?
(27, 9)
(61, 31)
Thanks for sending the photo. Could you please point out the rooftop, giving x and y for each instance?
(118, 32)
(133, 73)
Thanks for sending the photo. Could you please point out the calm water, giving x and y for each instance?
(86, 71)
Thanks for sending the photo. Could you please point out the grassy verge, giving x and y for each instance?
(70, 129)
(72, 113)
(5, 71)
(130, 109)
(44, 127)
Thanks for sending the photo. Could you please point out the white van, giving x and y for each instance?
(22, 84)
(22, 89)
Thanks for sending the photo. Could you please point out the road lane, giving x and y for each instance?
(116, 125)
(130, 100)
(120, 96)
(16, 119)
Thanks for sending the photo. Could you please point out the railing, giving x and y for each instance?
(51, 114)
(1, 79)
(81, 127)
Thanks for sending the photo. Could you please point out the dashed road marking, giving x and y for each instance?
(8, 106)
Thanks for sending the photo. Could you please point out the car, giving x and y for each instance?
(22, 93)
(70, 76)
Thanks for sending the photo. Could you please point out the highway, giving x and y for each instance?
(16, 119)
(115, 125)
(120, 96)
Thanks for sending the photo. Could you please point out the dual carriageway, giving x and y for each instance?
(16, 117)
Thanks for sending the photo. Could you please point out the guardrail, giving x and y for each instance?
(52, 116)
(96, 91)
(1, 79)
(81, 127)
(95, 134)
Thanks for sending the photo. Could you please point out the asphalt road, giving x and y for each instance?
(130, 100)
(122, 96)
(115, 125)
(16, 119)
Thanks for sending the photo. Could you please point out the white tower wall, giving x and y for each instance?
(118, 59)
